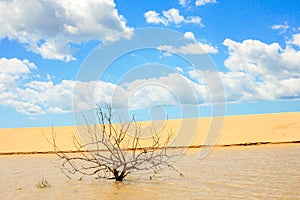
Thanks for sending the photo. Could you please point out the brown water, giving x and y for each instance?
(255, 172)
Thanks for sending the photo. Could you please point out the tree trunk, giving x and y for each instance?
(119, 176)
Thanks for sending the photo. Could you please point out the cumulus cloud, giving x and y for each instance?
(261, 71)
(28, 98)
(35, 97)
(203, 2)
(24, 107)
(189, 35)
(192, 48)
(11, 70)
(262, 59)
(152, 17)
(171, 16)
(255, 71)
(15, 66)
(62, 97)
(39, 97)
(295, 40)
(171, 89)
(50, 28)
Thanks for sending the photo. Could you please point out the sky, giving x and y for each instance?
(155, 59)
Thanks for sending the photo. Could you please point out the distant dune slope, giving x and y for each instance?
(280, 127)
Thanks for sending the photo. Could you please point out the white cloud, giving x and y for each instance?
(172, 89)
(25, 107)
(50, 96)
(241, 86)
(171, 16)
(50, 27)
(255, 71)
(50, 50)
(195, 48)
(62, 97)
(36, 97)
(189, 35)
(7, 82)
(261, 71)
(203, 2)
(15, 66)
(184, 2)
(281, 27)
(262, 59)
(179, 69)
(153, 17)
(10, 71)
(22, 97)
(295, 40)
(40, 97)
(194, 20)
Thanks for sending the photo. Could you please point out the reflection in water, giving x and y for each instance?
(252, 172)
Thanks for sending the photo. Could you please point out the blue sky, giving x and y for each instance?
(253, 47)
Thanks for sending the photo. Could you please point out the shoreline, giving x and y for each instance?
(171, 147)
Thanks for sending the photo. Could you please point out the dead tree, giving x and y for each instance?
(111, 152)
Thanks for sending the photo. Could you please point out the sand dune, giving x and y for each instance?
(280, 127)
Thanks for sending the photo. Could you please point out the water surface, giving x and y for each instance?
(252, 172)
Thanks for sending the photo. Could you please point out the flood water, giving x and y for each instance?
(251, 172)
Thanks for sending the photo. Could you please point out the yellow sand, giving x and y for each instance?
(279, 127)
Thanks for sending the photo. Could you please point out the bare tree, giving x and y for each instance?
(113, 153)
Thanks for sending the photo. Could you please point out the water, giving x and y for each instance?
(252, 172)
